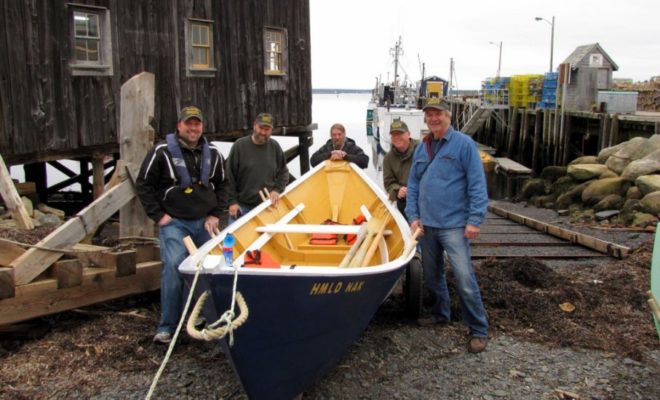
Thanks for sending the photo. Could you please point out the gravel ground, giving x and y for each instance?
(607, 349)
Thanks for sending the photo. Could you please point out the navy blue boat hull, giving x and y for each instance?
(298, 326)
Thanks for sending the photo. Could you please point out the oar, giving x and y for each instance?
(265, 196)
(377, 239)
(413, 242)
(373, 226)
(362, 233)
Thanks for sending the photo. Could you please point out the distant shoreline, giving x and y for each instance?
(334, 91)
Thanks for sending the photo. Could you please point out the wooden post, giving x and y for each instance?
(98, 174)
(136, 136)
(567, 139)
(538, 130)
(614, 130)
(524, 139)
(12, 199)
(303, 149)
(513, 132)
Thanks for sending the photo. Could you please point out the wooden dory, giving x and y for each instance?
(305, 307)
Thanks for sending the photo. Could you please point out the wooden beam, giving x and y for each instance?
(136, 137)
(12, 199)
(98, 284)
(9, 252)
(68, 273)
(34, 261)
(123, 261)
(98, 176)
(7, 289)
(591, 242)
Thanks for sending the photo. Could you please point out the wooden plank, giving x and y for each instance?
(122, 261)
(26, 188)
(591, 242)
(6, 283)
(136, 136)
(98, 284)
(9, 252)
(511, 167)
(12, 199)
(147, 252)
(34, 261)
(68, 273)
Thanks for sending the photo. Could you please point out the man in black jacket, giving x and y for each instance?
(339, 147)
(182, 187)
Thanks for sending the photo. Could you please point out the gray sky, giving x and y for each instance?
(351, 39)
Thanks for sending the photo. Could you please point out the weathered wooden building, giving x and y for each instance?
(63, 65)
(590, 71)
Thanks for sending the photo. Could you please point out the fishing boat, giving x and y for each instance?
(307, 277)
(402, 100)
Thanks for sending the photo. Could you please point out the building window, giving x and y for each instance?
(91, 41)
(275, 51)
(199, 48)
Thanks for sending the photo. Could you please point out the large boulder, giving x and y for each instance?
(604, 154)
(585, 172)
(648, 184)
(597, 190)
(585, 160)
(634, 149)
(553, 172)
(532, 187)
(650, 164)
(610, 202)
(651, 203)
(571, 196)
(633, 193)
(643, 220)
(562, 185)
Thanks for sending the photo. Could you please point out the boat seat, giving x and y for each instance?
(308, 228)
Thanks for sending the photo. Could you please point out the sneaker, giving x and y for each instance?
(477, 344)
(430, 321)
(163, 337)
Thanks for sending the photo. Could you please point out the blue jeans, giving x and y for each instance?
(172, 253)
(453, 241)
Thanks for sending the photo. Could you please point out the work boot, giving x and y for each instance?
(163, 337)
(477, 344)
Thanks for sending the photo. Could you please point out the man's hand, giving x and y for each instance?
(417, 224)
(164, 220)
(336, 155)
(472, 231)
(274, 197)
(233, 210)
(211, 224)
(403, 192)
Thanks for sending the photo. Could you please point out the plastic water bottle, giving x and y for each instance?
(228, 248)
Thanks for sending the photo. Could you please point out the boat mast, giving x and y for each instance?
(396, 51)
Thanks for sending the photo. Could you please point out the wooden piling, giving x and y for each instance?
(614, 130)
(566, 141)
(538, 131)
(513, 134)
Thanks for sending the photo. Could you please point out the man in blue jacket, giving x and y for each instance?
(447, 200)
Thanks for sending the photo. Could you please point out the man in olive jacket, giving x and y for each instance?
(397, 162)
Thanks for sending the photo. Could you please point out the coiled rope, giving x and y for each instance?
(213, 333)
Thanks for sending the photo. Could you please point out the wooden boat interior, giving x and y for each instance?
(334, 193)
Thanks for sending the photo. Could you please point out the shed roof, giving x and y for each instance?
(581, 52)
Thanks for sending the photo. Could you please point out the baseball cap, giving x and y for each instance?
(398, 126)
(264, 119)
(436, 103)
(190, 112)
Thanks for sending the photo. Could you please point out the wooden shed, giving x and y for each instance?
(590, 71)
(64, 64)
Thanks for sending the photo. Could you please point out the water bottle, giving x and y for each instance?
(228, 249)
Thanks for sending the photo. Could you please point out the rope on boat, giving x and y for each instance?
(229, 328)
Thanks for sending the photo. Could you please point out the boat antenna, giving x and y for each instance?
(395, 52)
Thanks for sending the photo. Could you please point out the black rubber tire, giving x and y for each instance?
(413, 288)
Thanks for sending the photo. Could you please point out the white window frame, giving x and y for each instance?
(103, 65)
(275, 51)
(193, 69)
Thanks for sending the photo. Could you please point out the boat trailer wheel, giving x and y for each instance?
(413, 288)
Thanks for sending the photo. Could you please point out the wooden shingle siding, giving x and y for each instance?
(46, 111)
